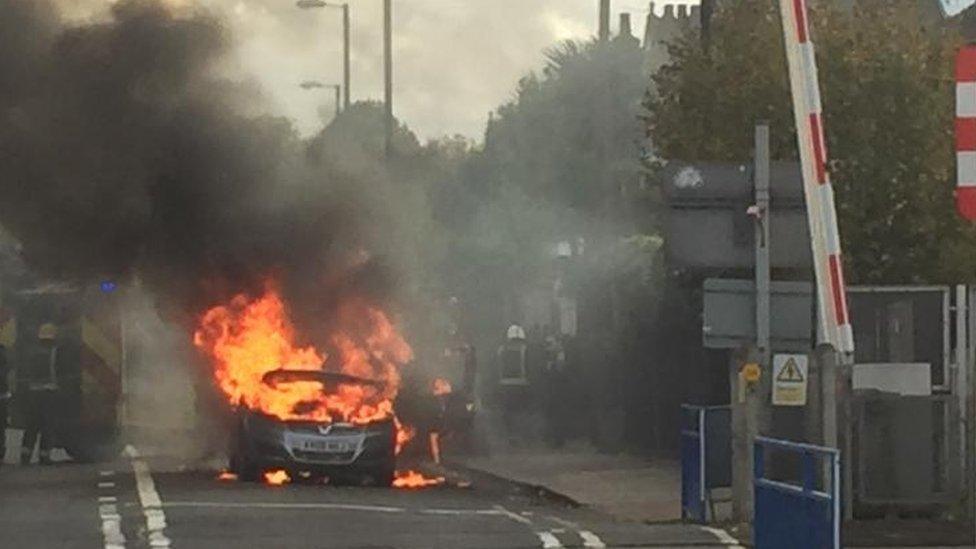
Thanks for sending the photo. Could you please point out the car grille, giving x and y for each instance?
(324, 458)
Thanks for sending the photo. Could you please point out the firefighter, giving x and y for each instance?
(556, 391)
(38, 379)
(513, 382)
(4, 399)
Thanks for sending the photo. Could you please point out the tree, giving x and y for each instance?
(886, 75)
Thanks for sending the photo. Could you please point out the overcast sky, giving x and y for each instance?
(455, 60)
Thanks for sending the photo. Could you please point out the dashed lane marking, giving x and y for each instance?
(152, 505)
(111, 526)
(105, 485)
(549, 540)
(107, 499)
(591, 540)
(106, 473)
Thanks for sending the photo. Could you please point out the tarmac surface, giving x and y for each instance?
(142, 502)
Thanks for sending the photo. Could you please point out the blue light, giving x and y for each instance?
(108, 286)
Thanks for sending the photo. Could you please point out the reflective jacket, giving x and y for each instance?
(40, 372)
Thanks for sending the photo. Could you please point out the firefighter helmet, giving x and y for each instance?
(47, 331)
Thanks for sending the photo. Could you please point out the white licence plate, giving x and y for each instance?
(326, 446)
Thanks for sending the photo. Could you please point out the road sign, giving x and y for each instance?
(790, 380)
(730, 314)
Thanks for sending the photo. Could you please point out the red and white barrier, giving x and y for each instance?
(835, 326)
(966, 132)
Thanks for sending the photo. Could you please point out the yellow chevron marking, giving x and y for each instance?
(95, 339)
(8, 333)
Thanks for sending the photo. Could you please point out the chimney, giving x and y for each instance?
(604, 33)
(625, 29)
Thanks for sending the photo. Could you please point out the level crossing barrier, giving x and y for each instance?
(803, 514)
(706, 458)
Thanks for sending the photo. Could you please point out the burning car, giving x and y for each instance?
(301, 408)
(338, 450)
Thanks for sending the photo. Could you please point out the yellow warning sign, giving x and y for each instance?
(751, 372)
(790, 380)
(791, 372)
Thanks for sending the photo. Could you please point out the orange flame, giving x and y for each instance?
(248, 338)
(412, 480)
(226, 476)
(277, 477)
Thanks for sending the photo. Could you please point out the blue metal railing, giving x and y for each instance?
(797, 514)
(706, 460)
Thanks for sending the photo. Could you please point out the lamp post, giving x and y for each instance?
(346, 73)
(316, 85)
(388, 72)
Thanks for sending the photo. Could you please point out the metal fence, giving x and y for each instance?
(800, 514)
(706, 458)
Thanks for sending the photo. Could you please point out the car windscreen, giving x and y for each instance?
(328, 379)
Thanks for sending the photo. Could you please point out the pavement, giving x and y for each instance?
(649, 490)
(141, 501)
(624, 486)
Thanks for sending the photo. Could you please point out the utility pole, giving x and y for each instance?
(388, 73)
(346, 60)
(604, 31)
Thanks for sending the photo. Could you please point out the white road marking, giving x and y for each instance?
(260, 505)
(549, 541)
(106, 473)
(513, 516)
(591, 540)
(723, 537)
(104, 485)
(152, 505)
(111, 526)
(107, 499)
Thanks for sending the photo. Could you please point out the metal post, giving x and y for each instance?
(346, 72)
(388, 72)
(338, 101)
(961, 385)
(762, 214)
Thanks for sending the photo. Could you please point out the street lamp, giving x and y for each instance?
(387, 58)
(309, 85)
(346, 76)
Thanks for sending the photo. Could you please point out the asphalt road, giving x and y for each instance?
(138, 503)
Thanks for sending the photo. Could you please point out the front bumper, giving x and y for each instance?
(322, 448)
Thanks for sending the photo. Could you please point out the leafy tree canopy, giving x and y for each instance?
(887, 79)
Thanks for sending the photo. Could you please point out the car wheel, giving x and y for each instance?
(383, 476)
(244, 467)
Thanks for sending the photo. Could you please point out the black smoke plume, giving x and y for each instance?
(123, 152)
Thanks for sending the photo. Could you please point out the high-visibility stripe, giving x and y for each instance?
(966, 202)
(809, 57)
(829, 220)
(93, 337)
(966, 64)
(821, 209)
(966, 99)
(965, 127)
(820, 161)
(837, 289)
(800, 9)
(966, 134)
(966, 168)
